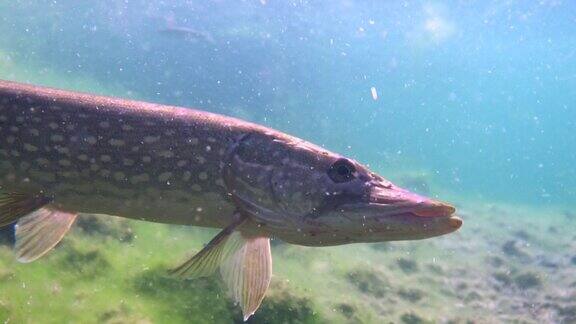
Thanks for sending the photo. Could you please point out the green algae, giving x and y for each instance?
(528, 280)
(408, 266)
(85, 264)
(413, 295)
(179, 300)
(413, 318)
(285, 306)
(106, 227)
(348, 310)
(369, 282)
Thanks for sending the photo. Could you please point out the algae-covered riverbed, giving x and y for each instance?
(498, 268)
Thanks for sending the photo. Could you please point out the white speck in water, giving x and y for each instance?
(374, 93)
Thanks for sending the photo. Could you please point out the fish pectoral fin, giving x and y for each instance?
(14, 205)
(39, 226)
(40, 231)
(247, 271)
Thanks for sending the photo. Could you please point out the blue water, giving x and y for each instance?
(473, 102)
(480, 94)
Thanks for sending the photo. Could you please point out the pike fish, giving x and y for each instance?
(65, 153)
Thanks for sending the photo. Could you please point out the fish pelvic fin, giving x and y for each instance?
(38, 232)
(14, 206)
(245, 264)
(207, 261)
(247, 271)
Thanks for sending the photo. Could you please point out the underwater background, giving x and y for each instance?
(471, 102)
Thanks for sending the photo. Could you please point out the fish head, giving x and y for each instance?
(369, 208)
(306, 195)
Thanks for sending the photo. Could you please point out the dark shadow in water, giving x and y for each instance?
(7, 235)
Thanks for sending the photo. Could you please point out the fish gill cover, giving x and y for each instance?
(468, 102)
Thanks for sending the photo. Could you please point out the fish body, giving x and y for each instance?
(117, 157)
(64, 153)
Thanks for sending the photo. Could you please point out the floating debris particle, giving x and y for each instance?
(374, 93)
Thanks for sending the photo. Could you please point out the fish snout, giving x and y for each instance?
(455, 222)
(432, 208)
(406, 201)
(401, 201)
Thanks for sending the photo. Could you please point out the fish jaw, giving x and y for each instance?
(386, 213)
(393, 213)
(405, 226)
(388, 197)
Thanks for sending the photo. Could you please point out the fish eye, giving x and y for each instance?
(341, 171)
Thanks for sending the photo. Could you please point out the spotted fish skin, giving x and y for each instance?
(120, 157)
(101, 155)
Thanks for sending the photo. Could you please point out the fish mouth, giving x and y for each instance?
(452, 222)
(435, 209)
(404, 221)
(440, 210)
(431, 209)
(394, 201)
